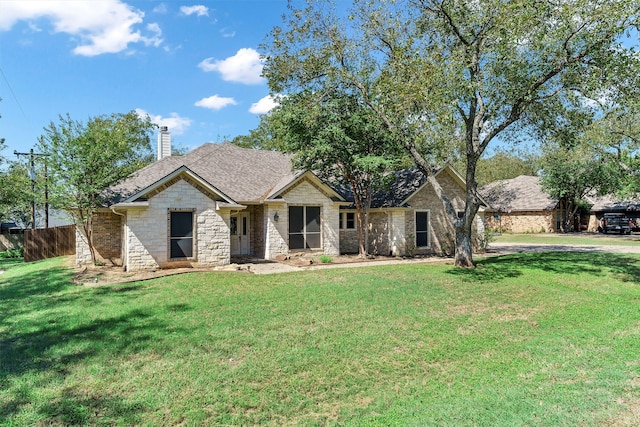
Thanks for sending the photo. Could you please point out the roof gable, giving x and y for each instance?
(182, 173)
(448, 170)
(289, 182)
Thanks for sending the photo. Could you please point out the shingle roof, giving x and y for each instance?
(610, 203)
(523, 193)
(245, 175)
(403, 184)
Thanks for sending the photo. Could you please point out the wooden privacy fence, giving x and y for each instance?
(43, 243)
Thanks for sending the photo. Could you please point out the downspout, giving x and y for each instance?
(123, 245)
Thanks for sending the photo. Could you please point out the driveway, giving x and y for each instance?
(496, 248)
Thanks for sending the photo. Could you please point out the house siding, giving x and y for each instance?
(147, 230)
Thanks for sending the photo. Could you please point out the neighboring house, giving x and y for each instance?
(601, 205)
(11, 236)
(519, 205)
(221, 201)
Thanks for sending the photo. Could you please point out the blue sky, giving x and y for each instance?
(192, 66)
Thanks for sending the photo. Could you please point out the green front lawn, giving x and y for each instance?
(589, 239)
(540, 339)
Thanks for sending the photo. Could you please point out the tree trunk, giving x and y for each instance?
(362, 250)
(464, 248)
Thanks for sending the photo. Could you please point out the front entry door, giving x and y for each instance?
(240, 236)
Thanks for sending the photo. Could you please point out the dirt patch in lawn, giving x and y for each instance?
(88, 275)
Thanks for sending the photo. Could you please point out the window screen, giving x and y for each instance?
(304, 227)
(422, 229)
(181, 235)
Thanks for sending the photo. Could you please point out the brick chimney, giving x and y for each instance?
(164, 143)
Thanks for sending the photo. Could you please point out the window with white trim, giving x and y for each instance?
(304, 227)
(422, 229)
(180, 234)
(347, 220)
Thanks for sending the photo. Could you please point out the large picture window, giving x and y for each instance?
(422, 229)
(180, 234)
(304, 227)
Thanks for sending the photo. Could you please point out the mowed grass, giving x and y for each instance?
(588, 239)
(540, 339)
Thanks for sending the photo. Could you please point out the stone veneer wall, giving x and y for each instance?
(276, 234)
(441, 231)
(83, 254)
(307, 194)
(522, 222)
(147, 230)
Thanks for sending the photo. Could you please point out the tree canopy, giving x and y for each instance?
(336, 136)
(16, 197)
(85, 159)
(445, 74)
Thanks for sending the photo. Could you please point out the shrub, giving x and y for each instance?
(410, 246)
(325, 259)
(12, 253)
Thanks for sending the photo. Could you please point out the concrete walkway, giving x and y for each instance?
(495, 249)
(276, 267)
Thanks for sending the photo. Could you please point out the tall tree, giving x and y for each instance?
(569, 173)
(440, 71)
(16, 197)
(615, 140)
(334, 134)
(505, 165)
(86, 159)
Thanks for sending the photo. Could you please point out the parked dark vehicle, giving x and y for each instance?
(616, 224)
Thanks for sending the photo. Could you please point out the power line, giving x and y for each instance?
(15, 98)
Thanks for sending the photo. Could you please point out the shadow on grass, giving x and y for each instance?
(493, 269)
(47, 336)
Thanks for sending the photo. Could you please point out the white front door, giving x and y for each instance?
(240, 235)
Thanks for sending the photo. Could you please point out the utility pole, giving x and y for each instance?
(32, 175)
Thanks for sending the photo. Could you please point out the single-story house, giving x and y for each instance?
(520, 205)
(609, 204)
(221, 201)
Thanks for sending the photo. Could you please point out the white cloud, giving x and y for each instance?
(197, 9)
(244, 67)
(177, 125)
(227, 34)
(265, 105)
(161, 8)
(215, 102)
(107, 26)
(34, 27)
